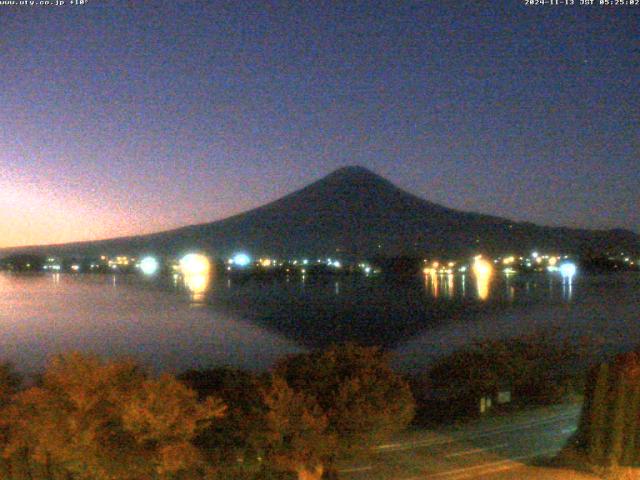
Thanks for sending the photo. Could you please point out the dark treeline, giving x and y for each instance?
(531, 369)
(91, 419)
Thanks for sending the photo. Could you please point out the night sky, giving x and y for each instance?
(122, 117)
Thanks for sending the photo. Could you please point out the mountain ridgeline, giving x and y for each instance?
(353, 211)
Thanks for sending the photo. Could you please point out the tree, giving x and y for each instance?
(610, 423)
(164, 417)
(9, 382)
(364, 400)
(236, 439)
(532, 366)
(106, 420)
(295, 431)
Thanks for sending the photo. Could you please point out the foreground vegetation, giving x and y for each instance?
(534, 370)
(608, 437)
(86, 418)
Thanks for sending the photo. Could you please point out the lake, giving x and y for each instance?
(172, 324)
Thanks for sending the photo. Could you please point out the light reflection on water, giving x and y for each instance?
(489, 286)
(41, 315)
(115, 315)
(601, 309)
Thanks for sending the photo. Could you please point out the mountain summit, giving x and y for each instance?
(353, 211)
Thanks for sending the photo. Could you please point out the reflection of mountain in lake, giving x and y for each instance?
(354, 211)
(374, 310)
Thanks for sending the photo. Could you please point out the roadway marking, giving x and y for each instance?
(476, 450)
(480, 434)
(491, 467)
(356, 469)
(388, 445)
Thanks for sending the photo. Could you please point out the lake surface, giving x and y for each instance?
(173, 324)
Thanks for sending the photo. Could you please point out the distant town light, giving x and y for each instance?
(241, 259)
(265, 262)
(149, 265)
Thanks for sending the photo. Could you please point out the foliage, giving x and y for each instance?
(364, 400)
(9, 382)
(533, 367)
(164, 416)
(610, 423)
(237, 437)
(91, 419)
(96, 420)
(296, 430)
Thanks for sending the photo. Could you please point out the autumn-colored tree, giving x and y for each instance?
(237, 439)
(296, 433)
(71, 421)
(164, 417)
(91, 419)
(364, 400)
(9, 384)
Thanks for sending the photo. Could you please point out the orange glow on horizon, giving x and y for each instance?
(40, 215)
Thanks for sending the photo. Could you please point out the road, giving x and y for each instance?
(481, 449)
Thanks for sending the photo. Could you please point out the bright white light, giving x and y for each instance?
(75, 268)
(568, 270)
(337, 264)
(149, 265)
(241, 259)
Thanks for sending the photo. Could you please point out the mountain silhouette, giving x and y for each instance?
(353, 211)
